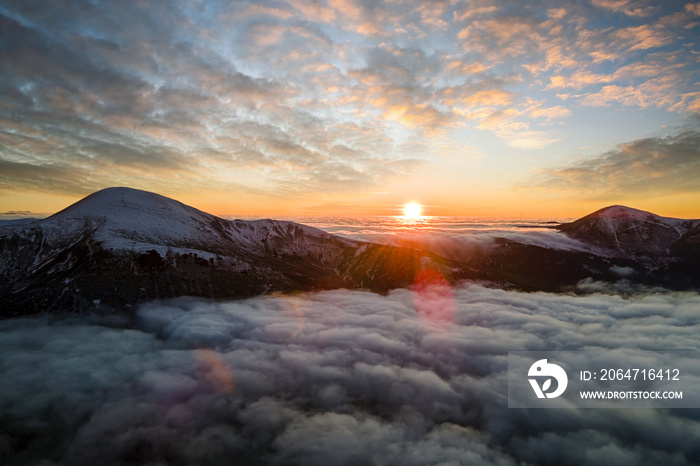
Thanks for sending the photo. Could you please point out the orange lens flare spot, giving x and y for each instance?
(215, 370)
(433, 297)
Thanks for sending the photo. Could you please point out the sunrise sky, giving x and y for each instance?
(353, 107)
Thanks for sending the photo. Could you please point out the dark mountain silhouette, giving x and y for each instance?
(120, 246)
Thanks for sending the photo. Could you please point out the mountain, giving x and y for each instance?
(614, 244)
(628, 232)
(661, 251)
(121, 246)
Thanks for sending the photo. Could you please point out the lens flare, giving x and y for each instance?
(433, 298)
(215, 371)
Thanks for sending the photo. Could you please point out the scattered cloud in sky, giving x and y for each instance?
(19, 215)
(314, 96)
(337, 377)
(645, 167)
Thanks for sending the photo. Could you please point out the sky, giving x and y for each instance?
(353, 107)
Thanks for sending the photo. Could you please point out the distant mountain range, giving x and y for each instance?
(120, 246)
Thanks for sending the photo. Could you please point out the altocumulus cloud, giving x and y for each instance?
(336, 377)
(327, 96)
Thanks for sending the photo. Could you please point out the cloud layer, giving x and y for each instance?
(333, 378)
(313, 96)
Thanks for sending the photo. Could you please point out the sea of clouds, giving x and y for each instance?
(337, 377)
(456, 238)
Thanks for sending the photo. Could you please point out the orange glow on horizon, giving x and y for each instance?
(506, 205)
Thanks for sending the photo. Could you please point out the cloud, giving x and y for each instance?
(185, 90)
(530, 140)
(578, 80)
(644, 167)
(342, 377)
(617, 72)
(113, 106)
(625, 6)
(632, 96)
(500, 38)
(458, 241)
(644, 37)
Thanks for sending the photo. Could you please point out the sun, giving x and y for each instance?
(412, 210)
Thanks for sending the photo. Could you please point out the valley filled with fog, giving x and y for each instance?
(336, 377)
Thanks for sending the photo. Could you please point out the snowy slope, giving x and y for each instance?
(119, 247)
(125, 220)
(615, 215)
(131, 219)
(122, 246)
(627, 231)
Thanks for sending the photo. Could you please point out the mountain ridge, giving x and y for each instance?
(120, 247)
(140, 219)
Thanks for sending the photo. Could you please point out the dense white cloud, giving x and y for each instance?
(336, 377)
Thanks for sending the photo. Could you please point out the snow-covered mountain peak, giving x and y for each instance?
(125, 205)
(624, 213)
(126, 217)
(120, 246)
(628, 230)
(131, 219)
